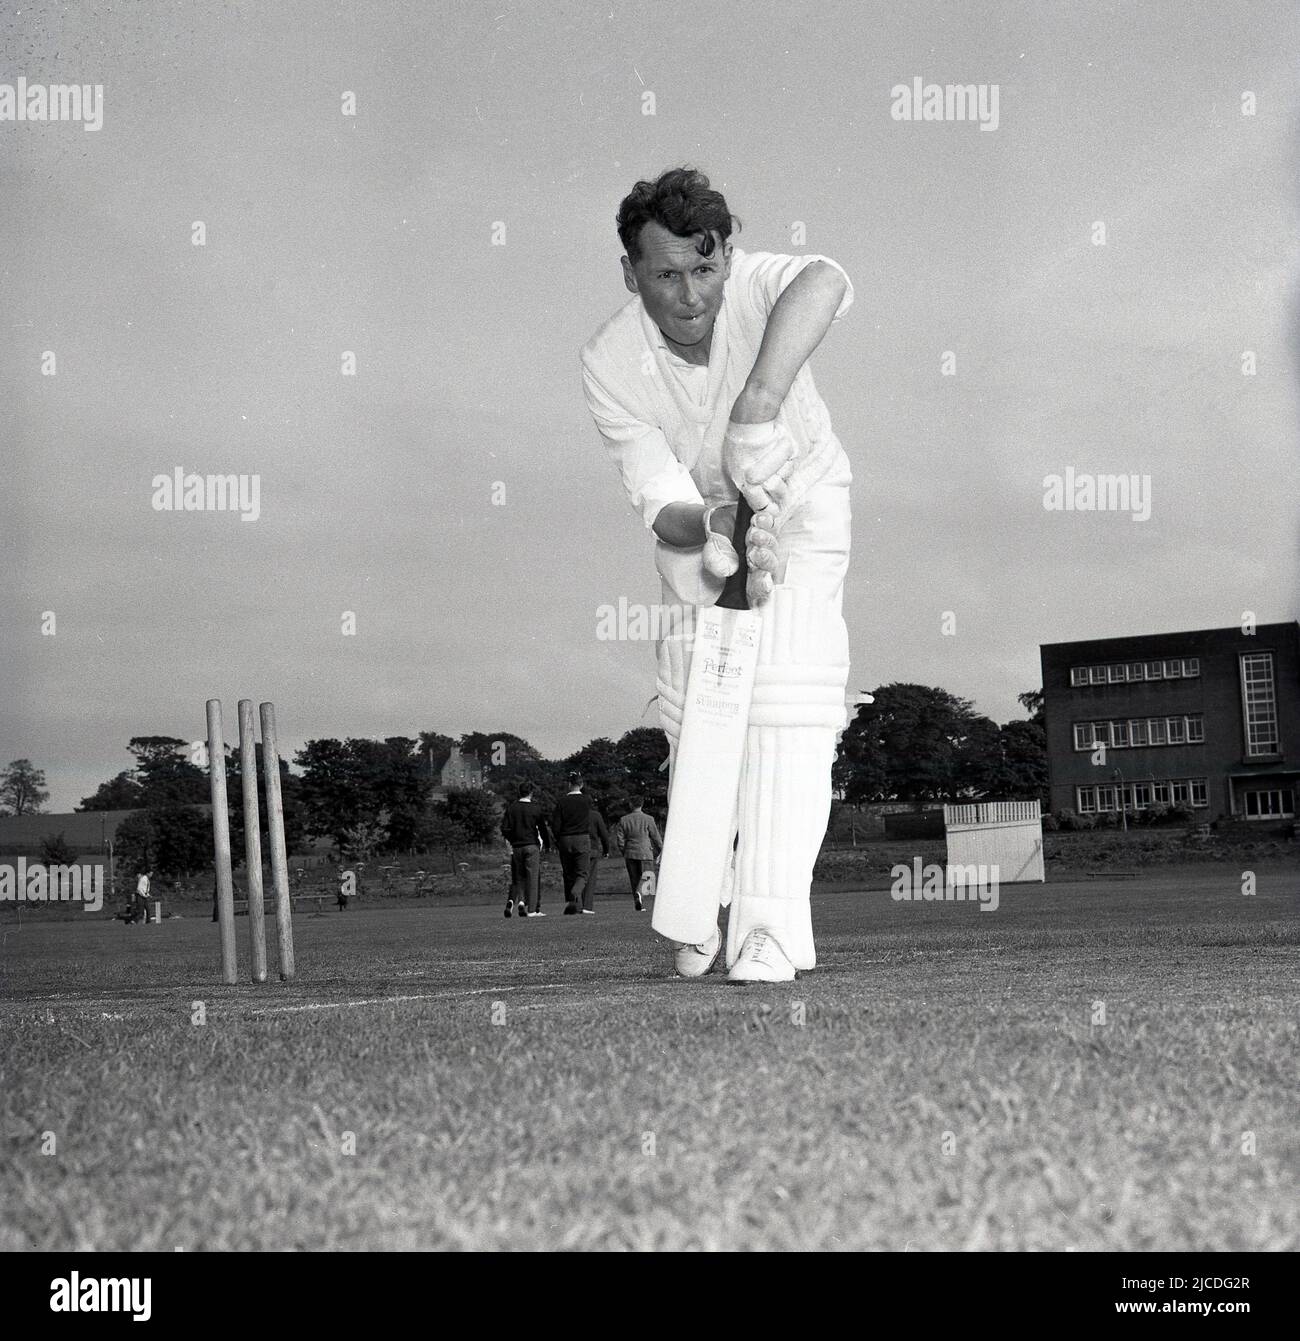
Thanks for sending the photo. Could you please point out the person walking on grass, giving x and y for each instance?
(525, 829)
(571, 822)
(637, 837)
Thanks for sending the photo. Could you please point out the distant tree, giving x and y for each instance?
(859, 773)
(166, 775)
(1022, 764)
(644, 752)
(57, 851)
(438, 832)
(347, 783)
(183, 840)
(402, 787)
(22, 789)
(604, 775)
(977, 759)
(474, 810)
(1032, 702)
(134, 845)
(290, 801)
(363, 839)
(913, 743)
(120, 793)
(544, 776)
(331, 792)
(171, 841)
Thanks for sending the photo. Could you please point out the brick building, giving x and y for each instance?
(1208, 719)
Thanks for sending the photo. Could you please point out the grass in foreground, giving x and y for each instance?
(938, 1082)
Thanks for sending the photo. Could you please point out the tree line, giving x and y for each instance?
(914, 744)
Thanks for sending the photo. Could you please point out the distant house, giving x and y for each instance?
(88, 833)
(460, 773)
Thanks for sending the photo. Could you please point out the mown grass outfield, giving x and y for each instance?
(937, 1083)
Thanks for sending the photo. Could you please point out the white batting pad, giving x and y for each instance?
(796, 714)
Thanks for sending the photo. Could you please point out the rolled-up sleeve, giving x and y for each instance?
(765, 276)
(652, 475)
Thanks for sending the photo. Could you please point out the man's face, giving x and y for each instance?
(680, 289)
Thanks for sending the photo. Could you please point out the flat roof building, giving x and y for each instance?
(1208, 720)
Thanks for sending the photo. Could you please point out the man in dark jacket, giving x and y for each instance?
(598, 834)
(525, 829)
(572, 825)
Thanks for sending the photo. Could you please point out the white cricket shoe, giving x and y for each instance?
(761, 959)
(694, 961)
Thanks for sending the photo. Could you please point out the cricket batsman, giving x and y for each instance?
(701, 391)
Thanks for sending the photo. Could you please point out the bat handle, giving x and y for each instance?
(733, 592)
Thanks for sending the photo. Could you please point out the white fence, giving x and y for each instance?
(1005, 834)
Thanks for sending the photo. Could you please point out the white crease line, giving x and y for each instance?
(419, 996)
(595, 959)
(34, 1004)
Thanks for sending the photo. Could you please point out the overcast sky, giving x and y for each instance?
(374, 233)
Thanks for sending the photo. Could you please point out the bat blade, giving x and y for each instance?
(710, 755)
(706, 774)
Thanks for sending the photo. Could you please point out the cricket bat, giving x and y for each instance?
(710, 754)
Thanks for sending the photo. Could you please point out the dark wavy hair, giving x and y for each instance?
(680, 200)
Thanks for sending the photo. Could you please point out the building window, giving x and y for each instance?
(1137, 670)
(1153, 670)
(1173, 669)
(1200, 792)
(1191, 666)
(1274, 804)
(1079, 675)
(1259, 704)
(1161, 792)
(1182, 793)
(1141, 795)
(1086, 800)
(1116, 674)
(1140, 732)
(1105, 798)
(1097, 674)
